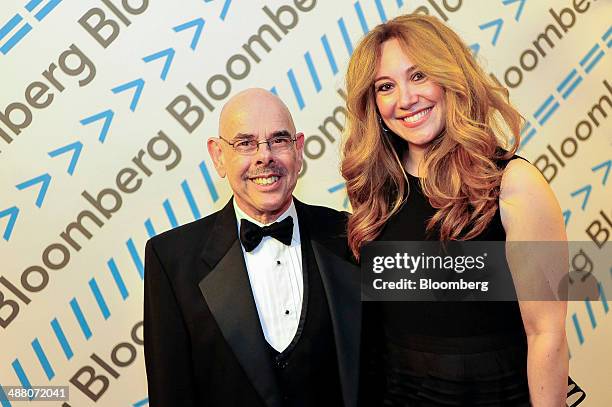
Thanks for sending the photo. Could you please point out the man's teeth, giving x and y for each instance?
(418, 116)
(265, 181)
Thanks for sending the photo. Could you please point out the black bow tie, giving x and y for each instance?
(251, 234)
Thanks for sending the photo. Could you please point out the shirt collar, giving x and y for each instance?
(295, 239)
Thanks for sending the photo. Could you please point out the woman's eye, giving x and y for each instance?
(383, 87)
(417, 76)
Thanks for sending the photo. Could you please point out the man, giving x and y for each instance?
(253, 305)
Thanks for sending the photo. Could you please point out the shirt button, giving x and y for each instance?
(286, 312)
(278, 262)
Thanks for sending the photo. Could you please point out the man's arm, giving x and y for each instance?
(166, 342)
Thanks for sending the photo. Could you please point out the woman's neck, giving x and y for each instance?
(413, 160)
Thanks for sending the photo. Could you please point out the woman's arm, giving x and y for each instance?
(530, 213)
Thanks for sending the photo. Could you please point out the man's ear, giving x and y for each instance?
(299, 142)
(299, 146)
(216, 153)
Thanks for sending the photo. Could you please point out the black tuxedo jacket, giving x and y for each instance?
(204, 345)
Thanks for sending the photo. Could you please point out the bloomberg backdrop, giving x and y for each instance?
(105, 107)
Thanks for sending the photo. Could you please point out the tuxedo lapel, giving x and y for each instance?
(228, 294)
(341, 283)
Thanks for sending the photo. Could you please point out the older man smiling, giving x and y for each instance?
(253, 305)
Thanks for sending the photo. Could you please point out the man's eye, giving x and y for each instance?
(244, 144)
(280, 140)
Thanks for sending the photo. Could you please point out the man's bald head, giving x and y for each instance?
(250, 103)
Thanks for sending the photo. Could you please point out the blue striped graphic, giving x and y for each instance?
(15, 38)
(602, 297)
(23, 378)
(170, 213)
(209, 182)
(313, 72)
(9, 25)
(42, 358)
(400, 3)
(345, 36)
(572, 87)
(567, 80)
(544, 106)
(149, 227)
(531, 131)
(362, 19)
(192, 203)
(135, 257)
(607, 34)
(273, 90)
(552, 110)
(587, 304)
(3, 399)
(381, 10)
(112, 266)
(32, 4)
(597, 58)
(61, 338)
(76, 310)
(95, 290)
(296, 89)
(330, 54)
(578, 330)
(589, 54)
(47, 9)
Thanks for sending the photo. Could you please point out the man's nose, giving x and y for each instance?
(264, 153)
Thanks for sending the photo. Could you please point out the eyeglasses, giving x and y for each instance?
(276, 144)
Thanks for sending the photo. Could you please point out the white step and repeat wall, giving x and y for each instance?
(105, 107)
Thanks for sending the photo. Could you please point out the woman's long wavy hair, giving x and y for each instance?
(462, 179)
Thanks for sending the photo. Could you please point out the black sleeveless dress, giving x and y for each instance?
(447, 353)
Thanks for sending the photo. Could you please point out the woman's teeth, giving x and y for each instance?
(266, 180)
(418, 116)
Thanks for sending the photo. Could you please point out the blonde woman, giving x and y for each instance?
(426, 157)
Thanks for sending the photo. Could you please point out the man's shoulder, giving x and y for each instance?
(325, 221)
(325, 213)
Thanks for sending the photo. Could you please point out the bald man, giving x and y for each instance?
(255, 304)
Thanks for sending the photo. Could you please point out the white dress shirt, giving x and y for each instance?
(275, 274)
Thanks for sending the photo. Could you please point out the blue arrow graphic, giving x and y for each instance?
(199, 24)
(168, 54)
(107, 115)
(12, 213)
(495, 23)
(143, 402)
(475, 48)
(44, 179)
(519, 11)
(138, 84)
(586, 190)
(607, 165)
(225, 8)
(339, 187)
(76, 149)
(566, 216)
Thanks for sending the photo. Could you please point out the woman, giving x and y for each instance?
(425, 158)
